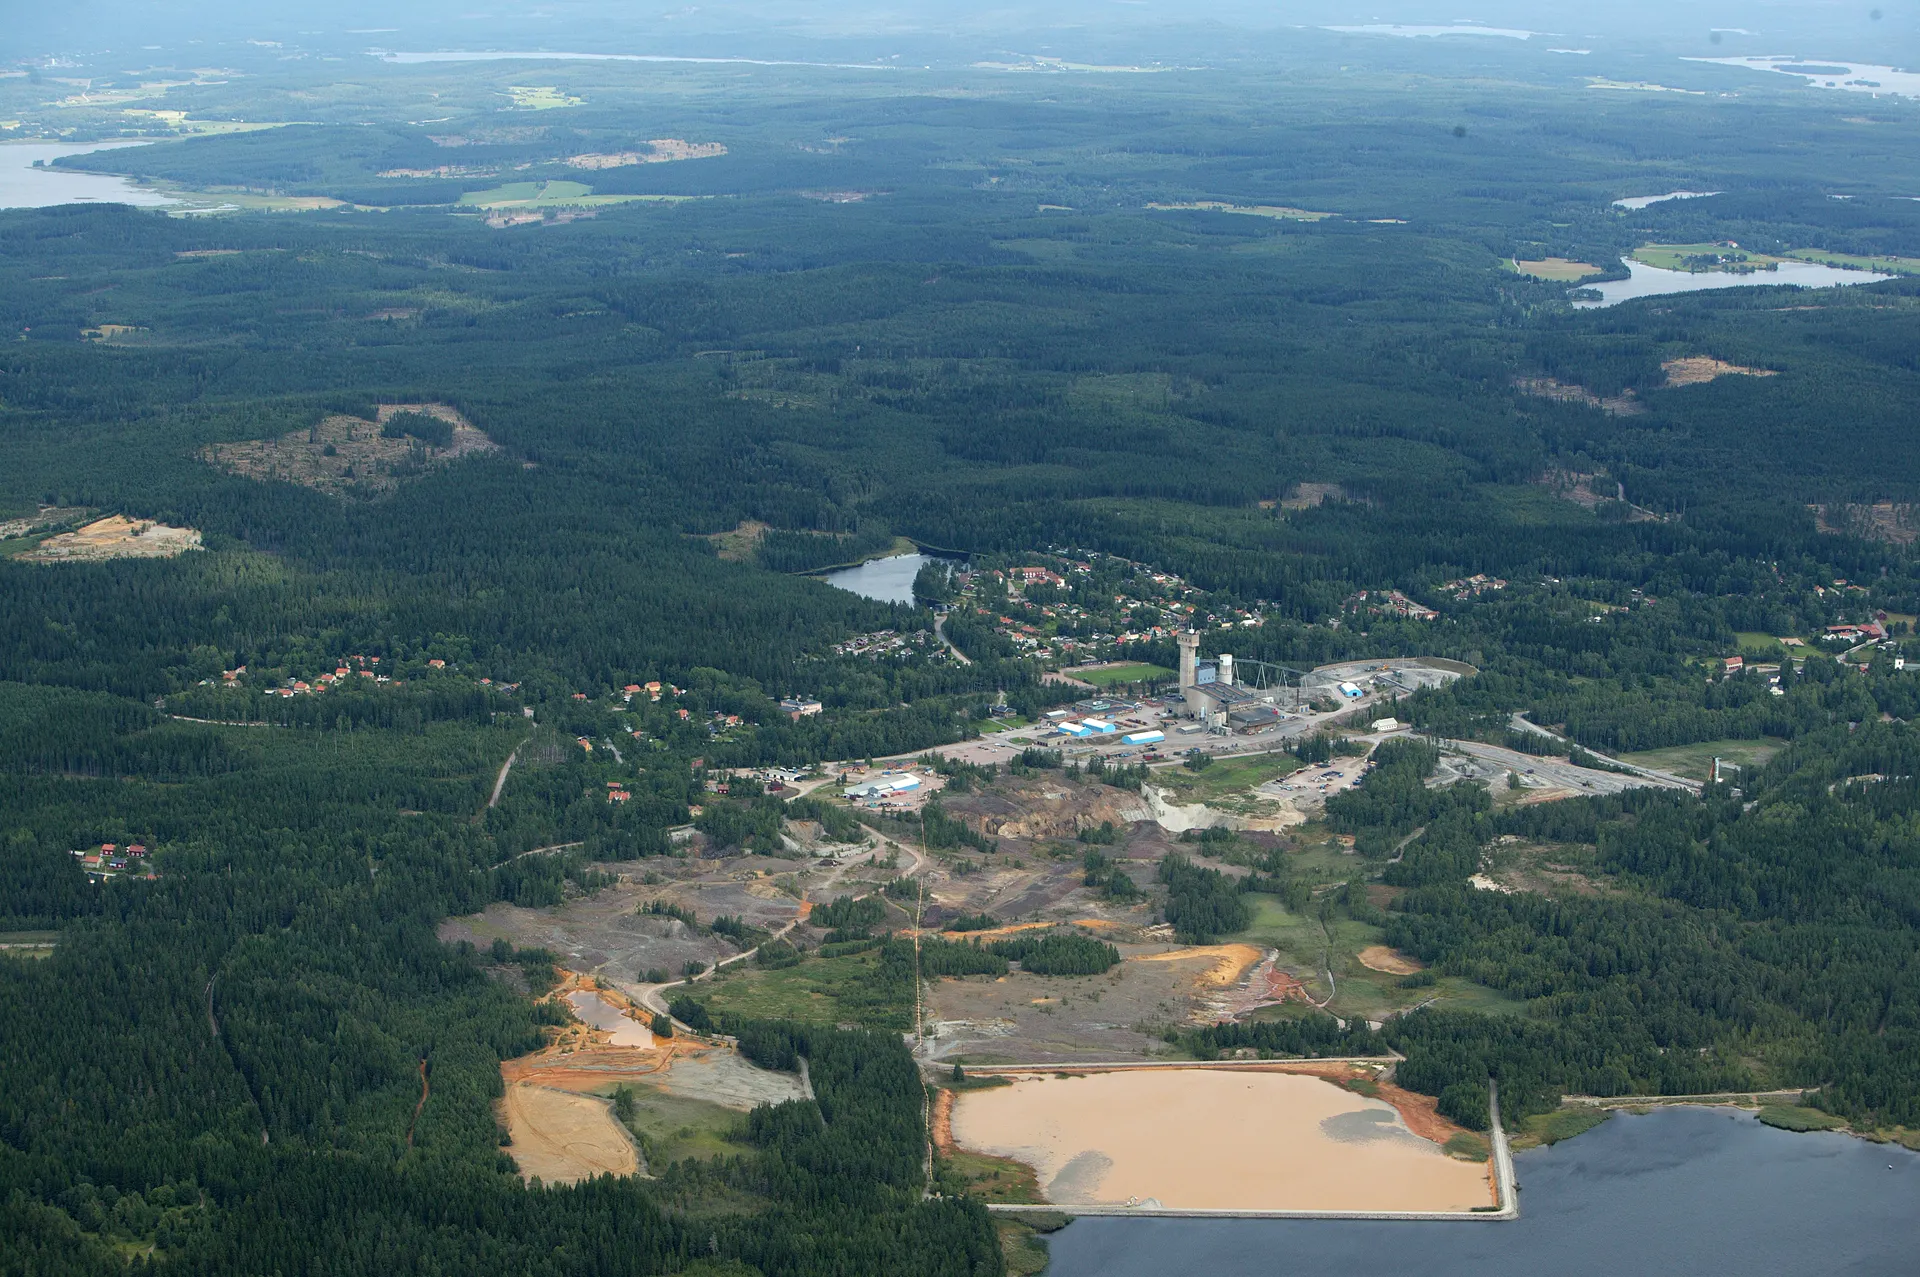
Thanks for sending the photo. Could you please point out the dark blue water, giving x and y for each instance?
(1681, 1192)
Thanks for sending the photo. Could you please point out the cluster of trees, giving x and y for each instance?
(1729, 956)
(1057, 953)
(1202, 904)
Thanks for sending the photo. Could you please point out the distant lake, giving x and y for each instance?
(1651, 281)
(1700, 1192)
(1827, 73)
(544, 56)
(1642, 201)
(1432, 33)
(884, 580)
(23, 186)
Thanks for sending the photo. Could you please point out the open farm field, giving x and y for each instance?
(1557, 269)
(1278, 212)
(1855, 261)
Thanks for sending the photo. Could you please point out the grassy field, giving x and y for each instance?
(1360, 991)
(1758, 643)
(541, 97)
(1853, 261)
(1139, 672)
(1792, 1117)
(1674, 256)
(553, 195)
(992, 1179)
(674, 1127)
(1695, 761)
(28, 944)
(820, 990)
(1278, 211)
(1561, 1124)
(1556, 269)
(1225, 778)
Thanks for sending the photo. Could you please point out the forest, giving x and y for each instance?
(992, 346)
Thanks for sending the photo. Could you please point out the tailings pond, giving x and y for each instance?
(24, 186)
(601, 1014)
(1685, 1190)
(1204, 1139)
(1651, 281)
(884, 580)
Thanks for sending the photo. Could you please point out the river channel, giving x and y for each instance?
(1701, 1192)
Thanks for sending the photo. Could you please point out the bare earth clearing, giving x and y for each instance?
(561, 1125)
(1377, 957)
(115, 537)
(345, 456)
(1620, 405)
(661, 150)
(1696, 370)
(564, 1138)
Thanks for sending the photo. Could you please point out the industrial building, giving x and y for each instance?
(1220, 695)
(882, 787)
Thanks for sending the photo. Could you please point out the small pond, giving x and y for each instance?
(887, 580)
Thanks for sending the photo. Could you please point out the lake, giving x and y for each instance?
(883, 580)
(409, 59)
(1828, 73)
(1689, 1191)
(1637, 202)
(1651, 281)
(23, 186)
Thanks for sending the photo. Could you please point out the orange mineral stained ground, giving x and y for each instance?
(1215, 1139)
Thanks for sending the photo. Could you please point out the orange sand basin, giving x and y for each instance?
(1377, 957)
(1229, 961)
(1214, 1139)
(565, 1138)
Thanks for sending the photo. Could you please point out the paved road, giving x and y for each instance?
(1492, 763)
(1519, 723)
(940, 632)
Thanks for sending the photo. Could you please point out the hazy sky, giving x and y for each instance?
(1867, 30)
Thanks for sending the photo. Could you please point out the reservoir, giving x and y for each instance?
(1697, 1191)
(884, 580)
(23, 186)
(1651, 281)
